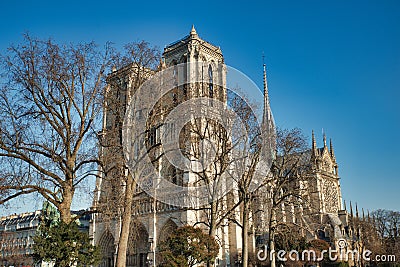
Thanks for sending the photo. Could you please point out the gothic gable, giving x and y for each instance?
(327, 163)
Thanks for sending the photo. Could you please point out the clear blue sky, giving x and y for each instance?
(332, 65)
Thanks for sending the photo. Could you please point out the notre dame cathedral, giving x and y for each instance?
(155, 220)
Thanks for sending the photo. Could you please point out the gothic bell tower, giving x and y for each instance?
(200, 72)
(204, 65)
(192, 48)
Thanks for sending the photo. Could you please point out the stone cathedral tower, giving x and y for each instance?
(154, 220)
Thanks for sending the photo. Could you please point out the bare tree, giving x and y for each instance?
(135, 66)
(255, 146)
(50, 99)
(211, 177)
(236, 152)
(221, 205)
(207, 143)
(380, 221)
(286, 187)
(386, 225)
(387, 222)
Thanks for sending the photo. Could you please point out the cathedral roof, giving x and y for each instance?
(305, 159)
(301, 159)
(191, 37)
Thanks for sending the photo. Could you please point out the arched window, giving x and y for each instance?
(321, 234)
(174, 176)
(175, 72)
(183, 66)
(174, 99)
(210, 82)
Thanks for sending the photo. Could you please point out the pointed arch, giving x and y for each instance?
(138, 245)
(107, 249)
(168, 228)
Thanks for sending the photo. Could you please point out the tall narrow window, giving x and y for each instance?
(175, 73)
(184, 70)
(185, 91)
(210, 82)
(174, 177)
(171, 175)
(174, 99)
(151, 136)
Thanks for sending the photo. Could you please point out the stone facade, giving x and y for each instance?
(153, 220)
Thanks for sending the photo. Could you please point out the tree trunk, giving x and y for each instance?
(65, 205)
(213, 219)
(272, 227)
(125, 224)
(245, 230)
(213, 223)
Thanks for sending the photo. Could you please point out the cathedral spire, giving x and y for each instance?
(351, 209)
(325, 141)
(344, 205)
(314, 144)
(193, 31)
(266, 112)
(331, 149)
(357, 210)
(267, 120)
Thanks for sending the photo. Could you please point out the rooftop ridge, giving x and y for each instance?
(176, 42)
(192, 35)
